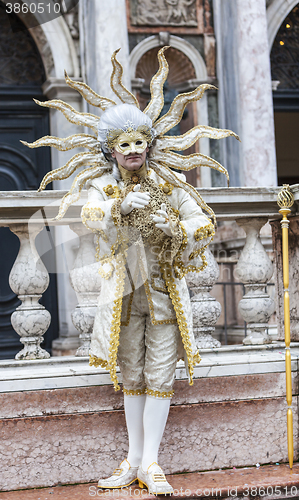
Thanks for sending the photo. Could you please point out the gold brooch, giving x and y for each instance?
(166, 188)
(112, 191)
(135, 179)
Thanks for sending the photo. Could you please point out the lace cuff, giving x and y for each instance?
(203, 233)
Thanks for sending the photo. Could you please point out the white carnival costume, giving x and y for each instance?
(150, 232)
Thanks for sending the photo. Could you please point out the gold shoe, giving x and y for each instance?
(123, 476)
(154, 480)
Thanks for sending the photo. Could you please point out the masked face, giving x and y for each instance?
(130, 143)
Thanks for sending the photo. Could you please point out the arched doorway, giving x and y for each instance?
(285, 70)
(21, 77)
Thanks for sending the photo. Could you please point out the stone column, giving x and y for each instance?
(205, 308)
(29, 279)
(225, 23)
(103, 29)
(245, 91)
(86, 281)
(256, 105)
(254, 270)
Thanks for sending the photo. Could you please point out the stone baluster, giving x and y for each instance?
(205, 308)
(86, 282)
(29, 279)
(254, 270)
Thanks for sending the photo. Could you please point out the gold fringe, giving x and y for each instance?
(115, 325)
(180, 270)
(134, 392)
(127, 322)
(106, 274)
(152, 311)
(94, 214)
(159, 394)
(181, 319)
(204, 232)
(95, 361)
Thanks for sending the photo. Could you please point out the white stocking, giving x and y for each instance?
(154, 421)
(134, 407)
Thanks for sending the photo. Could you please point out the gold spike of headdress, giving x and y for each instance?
(162, 154)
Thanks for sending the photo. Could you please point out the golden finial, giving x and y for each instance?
(285, 198)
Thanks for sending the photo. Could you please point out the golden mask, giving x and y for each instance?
(130, 142)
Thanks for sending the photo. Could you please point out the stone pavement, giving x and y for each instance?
(268, 482)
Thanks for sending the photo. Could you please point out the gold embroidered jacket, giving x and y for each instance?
(133, 252)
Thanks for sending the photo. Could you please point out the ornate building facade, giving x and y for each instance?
(246, 49)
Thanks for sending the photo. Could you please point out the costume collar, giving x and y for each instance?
(128, 174)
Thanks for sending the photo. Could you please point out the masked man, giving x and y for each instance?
(150, 232)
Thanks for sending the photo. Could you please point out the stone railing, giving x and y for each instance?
(26, 213)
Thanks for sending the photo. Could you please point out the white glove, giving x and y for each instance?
(134, 200)
(162, 221)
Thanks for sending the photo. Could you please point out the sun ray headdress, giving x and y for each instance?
(161, 157)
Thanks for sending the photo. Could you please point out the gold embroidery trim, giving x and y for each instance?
(127, 322)
(119, 238)
(156, 287)
(151, 309)
(95, 361)
(142, 223)
(97, 255)
(180, 269)
(112, 191)
(97, 214)
(181, 319)
(129, 310)
(106, 274)
(150, 300)
(134, 392)
(207, 231)
(94, 214)
(160, 394)
(116, 315)
(204, 232)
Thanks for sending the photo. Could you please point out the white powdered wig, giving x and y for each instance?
(122, 117)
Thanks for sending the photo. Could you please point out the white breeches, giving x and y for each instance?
(147, 354)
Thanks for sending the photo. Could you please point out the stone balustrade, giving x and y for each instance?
(66, 409)
(25, 213)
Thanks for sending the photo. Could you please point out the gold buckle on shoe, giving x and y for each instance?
(117, 472)
(158, 477)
